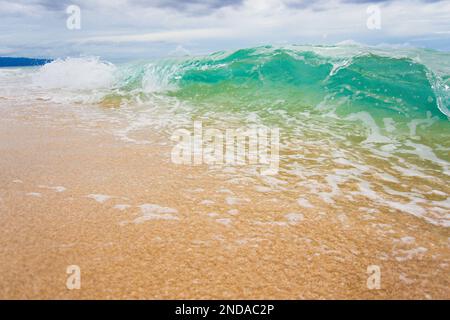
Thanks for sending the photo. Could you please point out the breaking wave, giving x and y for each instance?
(409, 82)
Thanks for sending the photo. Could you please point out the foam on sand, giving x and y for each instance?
(34, 194)
(151, 211)
(122, 207)
(100, 198)
(56, 188)
(294, 218)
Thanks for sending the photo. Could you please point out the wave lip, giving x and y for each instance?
(400, 81)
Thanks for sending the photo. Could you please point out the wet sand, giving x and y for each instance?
(71, 196)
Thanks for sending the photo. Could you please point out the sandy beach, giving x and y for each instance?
(139, 226)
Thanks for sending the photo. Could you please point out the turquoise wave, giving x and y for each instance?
(258, 77)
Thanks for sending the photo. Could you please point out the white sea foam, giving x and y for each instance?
(76, 74)
(304, 203)
(224, 221)
(262, 189)
(426, 153)
(56, 188)
(271, 223)
(156, 212)
(235, 201)
(294, 218)
(212, 214)
(207, 202)
(403, 255)
(99, 197)
(122, 207)
(408, 240)
(157, 77)
(375, 135)
(34, 194)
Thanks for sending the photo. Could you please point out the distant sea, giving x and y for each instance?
(22, 62)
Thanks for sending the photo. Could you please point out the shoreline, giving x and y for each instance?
(141, 227)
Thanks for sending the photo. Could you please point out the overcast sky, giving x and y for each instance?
(126, 29)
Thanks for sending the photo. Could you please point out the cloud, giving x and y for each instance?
(176, 36)
(180, 5)
(140, 28)
(183, 5)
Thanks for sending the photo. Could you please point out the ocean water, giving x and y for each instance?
(355, 122)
